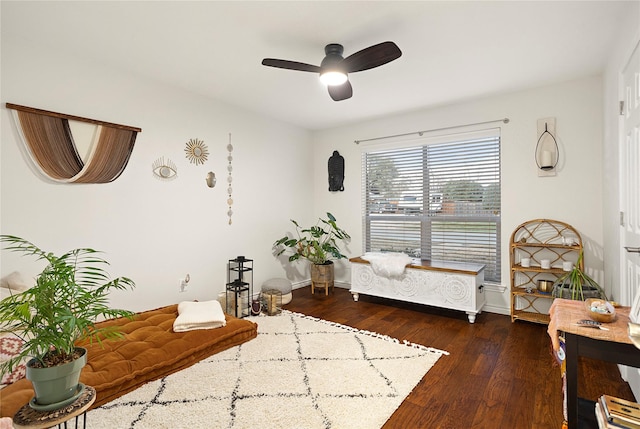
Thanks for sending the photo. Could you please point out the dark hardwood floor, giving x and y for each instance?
(499, 374)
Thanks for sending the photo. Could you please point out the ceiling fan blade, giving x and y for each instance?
(290, 65)
(340, 92)
(371, 57)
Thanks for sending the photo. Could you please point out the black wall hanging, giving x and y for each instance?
(336, 172)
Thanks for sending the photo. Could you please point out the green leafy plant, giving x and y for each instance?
(68, 297)
(575, 282)
(318, 243)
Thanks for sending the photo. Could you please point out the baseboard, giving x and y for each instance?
(495, 309)
(300, 284)
(305, 283)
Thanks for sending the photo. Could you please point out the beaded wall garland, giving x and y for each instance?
(229, 179)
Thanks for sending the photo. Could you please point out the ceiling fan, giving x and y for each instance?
(334, 69)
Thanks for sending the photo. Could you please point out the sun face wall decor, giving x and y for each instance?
(196, 151)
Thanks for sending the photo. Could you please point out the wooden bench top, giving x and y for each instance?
(447, 266)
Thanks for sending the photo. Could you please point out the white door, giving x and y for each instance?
(630, 194)
(630, 178)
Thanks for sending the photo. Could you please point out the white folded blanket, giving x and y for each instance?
(387, 264)
(199, 315)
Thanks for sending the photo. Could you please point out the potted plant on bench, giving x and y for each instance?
(68, 297)
(318, 244)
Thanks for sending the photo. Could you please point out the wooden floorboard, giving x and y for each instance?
(498, 374)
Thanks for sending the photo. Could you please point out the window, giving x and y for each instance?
(436, 198)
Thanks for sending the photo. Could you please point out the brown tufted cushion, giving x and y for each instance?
(151, 350)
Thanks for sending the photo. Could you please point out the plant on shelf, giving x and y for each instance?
(318, 244)
(68, 297)
(577, 285)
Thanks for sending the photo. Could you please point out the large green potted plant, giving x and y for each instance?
(577, 285)
(318, 244)
(68, 297)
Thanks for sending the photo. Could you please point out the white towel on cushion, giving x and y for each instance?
(387, 264)
(199, 315)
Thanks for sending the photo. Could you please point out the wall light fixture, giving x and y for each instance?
(547, 154)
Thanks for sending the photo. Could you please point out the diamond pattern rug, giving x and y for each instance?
(300, 372)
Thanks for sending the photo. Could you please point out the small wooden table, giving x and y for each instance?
(28, 418)
(612, 345)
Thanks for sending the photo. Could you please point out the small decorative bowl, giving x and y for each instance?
(545, 286)
(600, 310)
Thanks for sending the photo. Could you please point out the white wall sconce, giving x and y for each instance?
(547, 154)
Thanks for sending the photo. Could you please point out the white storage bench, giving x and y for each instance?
(452, 285)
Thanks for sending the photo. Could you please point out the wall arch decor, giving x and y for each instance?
(49, 142)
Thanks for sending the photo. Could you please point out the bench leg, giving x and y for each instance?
(471, 316)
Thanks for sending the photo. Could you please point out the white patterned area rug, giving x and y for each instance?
(300, 372)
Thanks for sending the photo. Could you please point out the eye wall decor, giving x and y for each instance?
(196, 151)
(164, 170)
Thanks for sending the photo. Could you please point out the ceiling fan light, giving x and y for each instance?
(332, 78)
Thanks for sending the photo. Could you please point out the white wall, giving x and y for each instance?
(152, 231)
(574, 195)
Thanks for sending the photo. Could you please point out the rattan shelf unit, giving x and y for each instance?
(538, 240)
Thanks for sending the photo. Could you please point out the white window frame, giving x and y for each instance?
(430, 214)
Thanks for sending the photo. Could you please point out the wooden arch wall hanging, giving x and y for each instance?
(49, 142)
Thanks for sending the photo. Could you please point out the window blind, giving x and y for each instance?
(436, 199)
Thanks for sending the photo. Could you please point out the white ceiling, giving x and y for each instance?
(452, 50)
